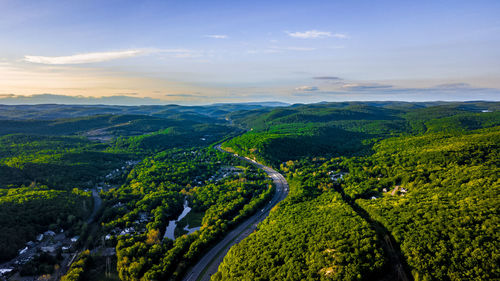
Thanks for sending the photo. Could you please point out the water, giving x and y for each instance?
(169, 231)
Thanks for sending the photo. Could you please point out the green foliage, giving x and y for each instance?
(157, 188)
(436, 193)
(26, 212)
(275, 148)
(347, 129)
(444, 177)
(62, 126)
(311, 235)
(319, 130)
(184, 135)
(447, 221)
(56, 161)
(77, 270)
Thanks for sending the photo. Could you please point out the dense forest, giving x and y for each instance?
(34, 158)
(313, 235)
(378, 190)
(50, 162)
(433, 190)
(347, 129)
(28, 211)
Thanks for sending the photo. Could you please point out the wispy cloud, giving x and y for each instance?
(307, 88)
(365, 86)
(177, 50)
(186, 95)
(315, 34)
(217, 36)
(83, 58)
(96, 57)
(453, 86)
(329, 78)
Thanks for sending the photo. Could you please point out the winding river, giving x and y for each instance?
(170, 230)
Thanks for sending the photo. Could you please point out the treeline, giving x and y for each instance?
(28, 211)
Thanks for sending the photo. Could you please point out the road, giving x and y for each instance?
(69, 260)
(210, 262)
(97, 205)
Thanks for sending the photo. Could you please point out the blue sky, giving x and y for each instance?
(197, 52)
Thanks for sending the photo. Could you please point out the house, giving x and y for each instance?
(49, 233)
(48, 249)
(3, 271)
(23, 250)
(336, 176)
(127, 230)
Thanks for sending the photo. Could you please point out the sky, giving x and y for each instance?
(202, 52)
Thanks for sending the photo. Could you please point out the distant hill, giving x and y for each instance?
(347, 128)
(58, 111)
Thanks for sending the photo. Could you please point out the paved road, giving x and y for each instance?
(210, 262)
(97, 205)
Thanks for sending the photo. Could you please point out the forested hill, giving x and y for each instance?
(378, 190)
(59, 111)
(349, 128)
(45, 161)
(377, 193)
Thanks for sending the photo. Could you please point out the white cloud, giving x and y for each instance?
(454, 86)
(365, 86)
(315, 34)
(307, 88)
(217, 36)
(84, 58)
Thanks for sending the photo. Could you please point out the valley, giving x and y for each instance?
(334, 191)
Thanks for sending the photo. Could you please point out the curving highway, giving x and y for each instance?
(210, 262)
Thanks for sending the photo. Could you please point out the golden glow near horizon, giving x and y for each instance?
(25, 80)
(250, 51)
(30, 80)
